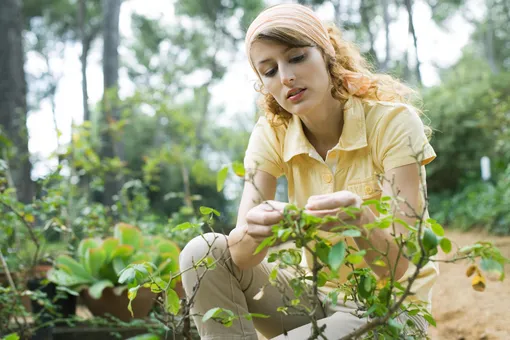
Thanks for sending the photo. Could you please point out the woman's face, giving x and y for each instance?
(296, 77)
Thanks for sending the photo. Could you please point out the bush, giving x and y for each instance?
(479, 204)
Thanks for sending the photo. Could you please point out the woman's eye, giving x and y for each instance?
(270, 73)
(297, 59)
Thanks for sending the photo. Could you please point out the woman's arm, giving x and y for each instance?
(254, 220)
(404, 182)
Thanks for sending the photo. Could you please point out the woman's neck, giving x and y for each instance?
(324, 127)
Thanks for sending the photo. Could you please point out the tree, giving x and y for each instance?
(59, 17)
(13, 106)
(88, 12)
(110, 147)
(408, 4)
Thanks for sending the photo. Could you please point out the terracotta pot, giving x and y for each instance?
(116, 305)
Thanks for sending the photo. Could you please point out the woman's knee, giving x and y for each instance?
(211, 244)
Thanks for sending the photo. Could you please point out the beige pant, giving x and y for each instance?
(230, 288)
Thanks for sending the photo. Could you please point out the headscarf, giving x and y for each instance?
(303, 20)
(296, 17)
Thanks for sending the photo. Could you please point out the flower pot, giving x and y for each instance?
(116, 304)
(64, 307)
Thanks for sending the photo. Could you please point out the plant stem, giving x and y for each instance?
(30, 231)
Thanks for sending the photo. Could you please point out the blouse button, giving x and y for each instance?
(327, 178)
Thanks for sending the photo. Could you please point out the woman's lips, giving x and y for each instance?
(297, 96)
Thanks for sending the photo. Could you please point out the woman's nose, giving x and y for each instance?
(287, 77)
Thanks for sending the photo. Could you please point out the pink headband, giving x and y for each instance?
(292, 16)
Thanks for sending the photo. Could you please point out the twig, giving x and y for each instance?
(13, 286)
(30, 231)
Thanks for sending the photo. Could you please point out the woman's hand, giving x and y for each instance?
(333, 205)
(261, 218)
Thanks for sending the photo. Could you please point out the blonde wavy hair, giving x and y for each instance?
(348, 60)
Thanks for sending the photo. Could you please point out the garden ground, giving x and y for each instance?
(463, 313)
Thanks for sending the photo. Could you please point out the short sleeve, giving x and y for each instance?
(264, 149)
(401, 138)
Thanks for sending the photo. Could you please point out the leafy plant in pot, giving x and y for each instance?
(98, 264)
(26, 257)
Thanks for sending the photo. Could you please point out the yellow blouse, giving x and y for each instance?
(376, 137)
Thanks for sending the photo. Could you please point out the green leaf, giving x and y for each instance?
(492, 266)
(222, 176)
(354, 258)
(85, 245)
(206, 210)
(63, 278)
(267, 242)
(132, 292)
(109, 245)
(68, 290)
(395, 326)
(430, 239)
(322, 279)
(351, 233)
(413, 312)
(211, 313)
(122, 251)
(127, 275)
(291, 257)
(436, 228)
(371, 202)
(94, 260)
(273, 274)
(333, 297)
(183, 226)
(147, 336)
(446, 245)
(96, 290)
(128, 234)
(336, 256)
(238, 169)
(470, 248)
(172, 302)
(379, 263)
(404, 224)
(322, 251)
(12, 336)
(367, 284)
(430, 319)
(118, 265)
(73, 268)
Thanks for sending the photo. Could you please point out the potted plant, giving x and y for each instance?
(94, 272)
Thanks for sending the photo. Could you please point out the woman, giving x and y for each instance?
(331, 127)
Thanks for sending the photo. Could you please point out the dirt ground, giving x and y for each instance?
(463, 313)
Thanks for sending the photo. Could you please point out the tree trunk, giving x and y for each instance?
(365, 19)
(409, 8)
(13, 105)
(85, 47)
(489, 38)
(110, 148)
(387, 22)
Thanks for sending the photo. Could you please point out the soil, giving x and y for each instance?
(461, 312)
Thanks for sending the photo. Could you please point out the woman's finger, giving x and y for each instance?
(264, 217)
(331, 201)
(259, 232)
